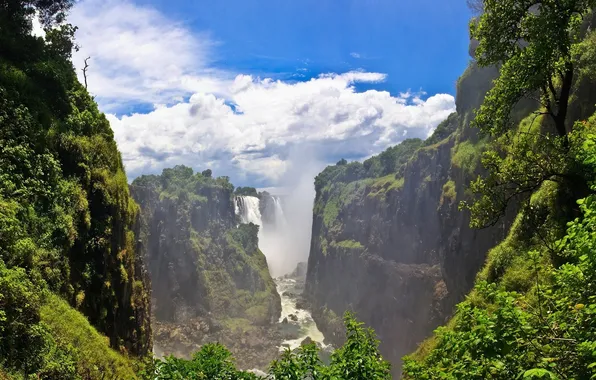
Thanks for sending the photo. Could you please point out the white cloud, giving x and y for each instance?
(139, 55)
(355, 55)
(237, 125)
(325, 114)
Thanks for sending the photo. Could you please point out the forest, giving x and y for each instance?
(79, 255)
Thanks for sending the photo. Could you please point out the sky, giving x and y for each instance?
(255, 90)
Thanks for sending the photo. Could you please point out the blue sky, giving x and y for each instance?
(420, 44)
(258, 90)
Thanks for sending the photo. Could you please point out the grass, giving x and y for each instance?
(466, 156)
(381, 186)
(331, 211)
(350, 244)
(449, 192)
(95, 358)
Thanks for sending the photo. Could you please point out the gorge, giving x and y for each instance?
(469, 253)
(217, 263)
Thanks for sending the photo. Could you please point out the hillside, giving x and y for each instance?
(392, 243)
(67, 221)
(208, 275)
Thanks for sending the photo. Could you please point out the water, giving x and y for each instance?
(248, 209)
(304, 325)
(289, 288)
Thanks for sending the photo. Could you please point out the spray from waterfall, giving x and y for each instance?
(274, 231)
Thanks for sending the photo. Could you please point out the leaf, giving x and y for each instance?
(539, 373)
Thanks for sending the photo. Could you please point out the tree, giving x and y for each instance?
(358, 359)
(533, 41)
(212, 362)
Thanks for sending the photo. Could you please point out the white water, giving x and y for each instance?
(271, 243)
(248, 210)
(304, 323)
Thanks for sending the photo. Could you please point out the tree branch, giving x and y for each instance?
(85, 70)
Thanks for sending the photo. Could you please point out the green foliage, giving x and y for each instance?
(249, 191)
(466, 156)
(391, 161)
(25, 343)
(381, 186)
(533, 41)
(247, 236)
(212, 362)
(394, 159)
(443, 130)
(66, 217)
(223, 269)
(516, 168)
(357, 359)
(527, 316)
(94, 357)
(449, 192)
(330, 212)
(350, 244)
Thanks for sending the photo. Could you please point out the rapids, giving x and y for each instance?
(294, 321)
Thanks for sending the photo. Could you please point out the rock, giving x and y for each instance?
(289, 294)
(300, 271)
(403, 254)
(285, 321)
(293, 317)
(215, 326)
(301, 304)
(307, 340)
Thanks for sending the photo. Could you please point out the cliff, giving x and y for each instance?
(388, 240)
(205, 267)
(68, 225)
(390, 243)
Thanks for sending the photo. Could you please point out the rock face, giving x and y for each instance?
(392, 245)
(252, 346)
(203, 264)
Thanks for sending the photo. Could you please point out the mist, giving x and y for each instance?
(288, 242)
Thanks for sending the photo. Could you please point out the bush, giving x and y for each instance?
(357, 359)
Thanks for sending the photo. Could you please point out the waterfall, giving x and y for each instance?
(247, 208)
(280, 218)
(275, 241)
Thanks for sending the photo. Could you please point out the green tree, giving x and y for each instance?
(533, 42)
(212, 362)
(358, 359)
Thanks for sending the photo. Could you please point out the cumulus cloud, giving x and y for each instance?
(139, 55)
(238, 125)
(254, 130)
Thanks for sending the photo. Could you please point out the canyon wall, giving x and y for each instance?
(388, 239)
(206, 268)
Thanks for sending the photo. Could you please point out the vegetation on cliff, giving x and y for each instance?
(531, 312)
(67, 222)
(358, 358)
(529, 156)
(201, 261)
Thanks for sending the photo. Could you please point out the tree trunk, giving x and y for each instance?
(563, 105)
